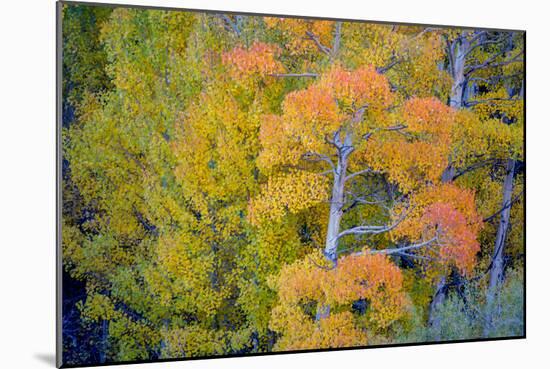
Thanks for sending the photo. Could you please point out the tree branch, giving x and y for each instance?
(230, 25)
(318, 43)
(390, 65)
(474, 166)
(489, 63)
(424, 31)
(394, 128)
(313, 156)
(367, 170)
(359, 230)
(495, 78)
(483, 43)
(361, 200)
(506, 206)
(491, 100)
(398, 250)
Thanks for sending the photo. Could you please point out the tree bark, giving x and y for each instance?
(337, 202)
(336, 41)
(458, 64)
(337, 199)
(457, 52)
(323, 311)
(497, 264)
(439, 296)
(104, 336)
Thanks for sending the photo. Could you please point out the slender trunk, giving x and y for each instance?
(336, 210)
(448, 174)
(497, 265)
(323, 311)
(457, 56)
(104, 335)
(337, 201)
(496, 272)
(336, 41)
(457, 70)
(433, 320)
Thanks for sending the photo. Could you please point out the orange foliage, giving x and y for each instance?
(313, 108)
(452, 211)
(428, 116)
(361, 87)
(421, 157)
(371, 277)
(459, 243)
(316, 112)
(257, 61)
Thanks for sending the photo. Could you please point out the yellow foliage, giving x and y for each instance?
(297, 30)
(191, 341)
(309, 281)
(292, 192)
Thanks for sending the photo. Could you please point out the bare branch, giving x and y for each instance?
(321, 266)
(489, 63)
(491, 101)
(313, 156)
(230, 25)
(406, 248)
(482, 43)
(474, 166)
(425, 30)
(506, 206)
(400, 250)
(360, 230)
(390, 65)
(358, 173)
(318, 43)
(477, 37)
(335, 141)
(495, 78)
(414, 256)
(360, 200)
(394, 128)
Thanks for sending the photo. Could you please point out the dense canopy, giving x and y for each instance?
(245, 184)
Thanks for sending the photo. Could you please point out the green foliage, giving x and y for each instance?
(464, 312)
(84, 59)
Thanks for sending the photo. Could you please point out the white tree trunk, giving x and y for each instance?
(338, 197)
(458, 64)
(497, 265)
(336, 204)
(433, 320)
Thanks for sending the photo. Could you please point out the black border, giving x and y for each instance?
(59, 195)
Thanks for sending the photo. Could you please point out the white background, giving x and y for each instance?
(27, 182)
